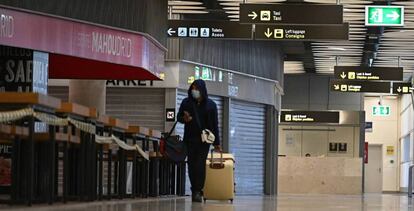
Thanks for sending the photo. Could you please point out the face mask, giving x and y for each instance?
(195, 93)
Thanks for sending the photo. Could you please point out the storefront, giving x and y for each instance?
(79, 50)
(36, 47)
(243, 103)
(61, 48)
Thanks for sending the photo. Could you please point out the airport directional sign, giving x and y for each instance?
(291, 13)
(208, 29)
(360, 86)
(369, 73)
(371, 86)
(310, 116)
(401, 88)
(384, 15)
(302, 32)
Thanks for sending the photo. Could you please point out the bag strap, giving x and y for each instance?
(196, 116)
(172, 130)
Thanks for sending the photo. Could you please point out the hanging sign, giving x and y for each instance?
(384, 15)
(208, 29)
(302, 32)
(310, 116)
(369, 73)
(360, 86)
(291, 13)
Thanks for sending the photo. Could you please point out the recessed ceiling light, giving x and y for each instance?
(190, 11)
(231, 8)
(230, 4)
(188, 3)
(232, 12)
(234, 16)
(336, 48)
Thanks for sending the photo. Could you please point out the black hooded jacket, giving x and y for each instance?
(207, 114)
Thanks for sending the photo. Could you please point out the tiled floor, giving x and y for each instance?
(245, 203)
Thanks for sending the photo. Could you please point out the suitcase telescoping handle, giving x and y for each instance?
(216, 165)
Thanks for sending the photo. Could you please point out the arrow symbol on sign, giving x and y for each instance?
(268, 33)
(171, 32)
(394, 15)
(253, 15)
(399, 89)
(343, 75)
(336, 87)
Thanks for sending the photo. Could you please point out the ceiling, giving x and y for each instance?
(376, 46)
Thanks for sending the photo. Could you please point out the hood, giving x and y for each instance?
(201, 85)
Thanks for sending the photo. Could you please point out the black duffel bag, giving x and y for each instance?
(172, 147)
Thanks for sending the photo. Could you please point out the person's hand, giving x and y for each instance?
(187, 117)
(217, 148)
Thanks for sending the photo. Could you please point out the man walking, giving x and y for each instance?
(198, 112)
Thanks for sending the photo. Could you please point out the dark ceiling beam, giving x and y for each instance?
(372, 40)
(214, 9)
(303, 54)
(309, 62)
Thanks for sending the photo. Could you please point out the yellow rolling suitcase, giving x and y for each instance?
(219, 183)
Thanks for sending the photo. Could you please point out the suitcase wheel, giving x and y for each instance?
(231, 200)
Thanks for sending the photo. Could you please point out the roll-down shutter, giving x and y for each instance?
(143, 107)
(60, 92)
(247, 140)
(179, 130)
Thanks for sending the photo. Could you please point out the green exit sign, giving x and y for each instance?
(384, 16)
(381, 110)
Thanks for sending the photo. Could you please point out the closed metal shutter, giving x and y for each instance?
(180, 127)
(179, 130)
(143, 107)
(61, 92)
(247, 141)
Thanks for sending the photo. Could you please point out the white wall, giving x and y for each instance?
(406, 137)
(300, 140)
(385, 132)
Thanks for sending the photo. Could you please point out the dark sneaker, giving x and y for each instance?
(197, 197)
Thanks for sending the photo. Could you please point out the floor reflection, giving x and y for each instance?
(368, 202)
